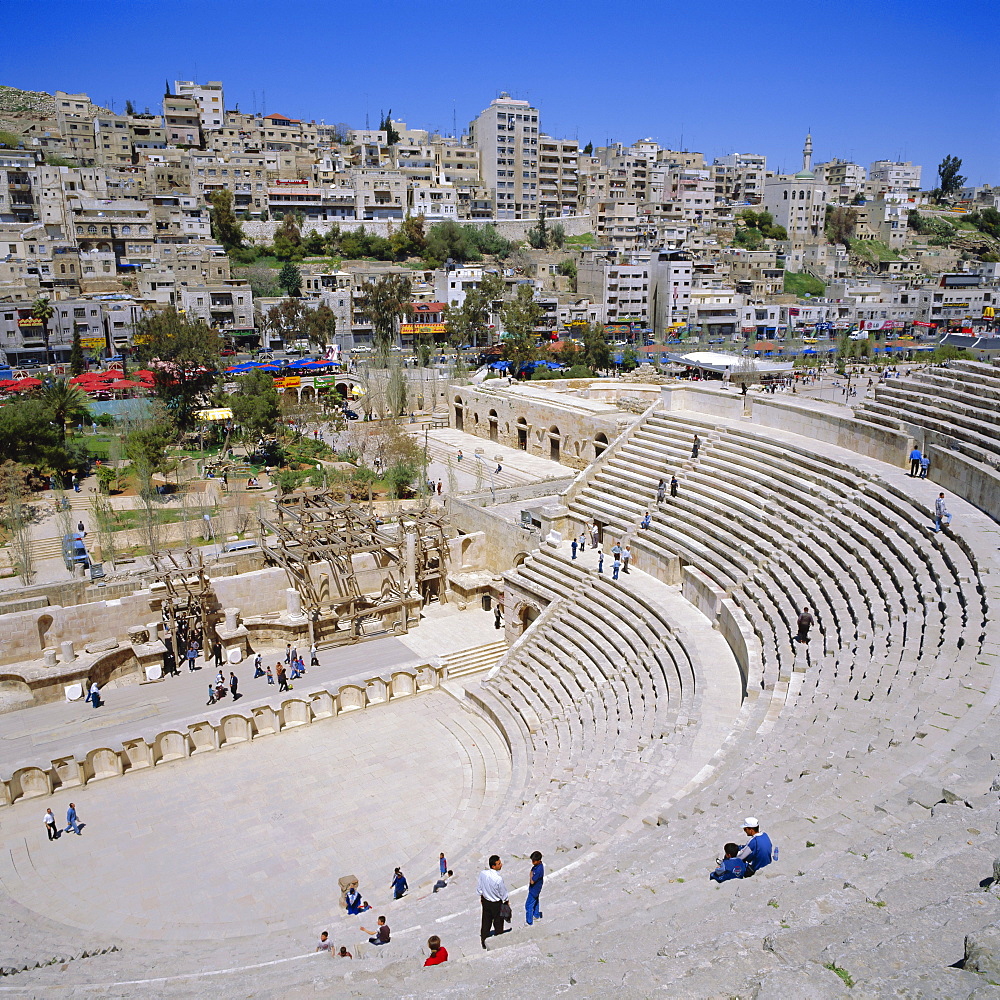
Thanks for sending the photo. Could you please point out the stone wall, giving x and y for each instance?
(553, 427)
(502, 544)
(969, 479)
(222, 728)
(511, 229)
(823, 426)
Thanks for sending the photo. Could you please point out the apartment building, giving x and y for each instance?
(845, 181)
(227, 306)
(182, 121)
(893, 181)
(739, 178)
(558, 176)
(672, 276)
(621, 282)
(379, 194)
(18, 195)
(210, 100)
(455, 163)
(507, 135)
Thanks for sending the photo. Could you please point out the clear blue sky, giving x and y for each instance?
(899, 79)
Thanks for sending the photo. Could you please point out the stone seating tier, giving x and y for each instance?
(863, 752)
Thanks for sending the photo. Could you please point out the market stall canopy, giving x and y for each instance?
(716, 361)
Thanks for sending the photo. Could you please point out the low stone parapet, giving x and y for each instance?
(208, 734)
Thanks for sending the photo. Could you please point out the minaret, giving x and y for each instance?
(807, 154)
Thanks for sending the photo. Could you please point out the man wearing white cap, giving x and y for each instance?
(758, 851)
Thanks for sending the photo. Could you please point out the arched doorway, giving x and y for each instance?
(494, 431)
(459, 414)
(528, 614)
(600, 444)
(555, 441)
(522, 433)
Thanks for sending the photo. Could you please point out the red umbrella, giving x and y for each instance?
(28, 383)
(129, 384)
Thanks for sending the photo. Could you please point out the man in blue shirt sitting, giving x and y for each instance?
(730, 866)
(758, 851)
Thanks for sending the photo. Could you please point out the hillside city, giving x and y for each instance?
(439, 565)
(222, 215)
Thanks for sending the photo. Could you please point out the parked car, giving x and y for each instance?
(350, 414)
(227, 352)
(74, 551)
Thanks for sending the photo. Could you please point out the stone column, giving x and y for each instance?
(293, 603)
(49, 658)
(68, 653)
(232, 619)
(410, 561)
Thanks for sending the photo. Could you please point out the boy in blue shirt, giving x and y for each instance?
(730, 866)
(535, 880)
(758, 851)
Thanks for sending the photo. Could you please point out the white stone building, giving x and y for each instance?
(507, 135)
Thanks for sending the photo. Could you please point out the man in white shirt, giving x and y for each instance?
(492, 894)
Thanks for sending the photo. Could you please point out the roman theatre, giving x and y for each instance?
(623, 727)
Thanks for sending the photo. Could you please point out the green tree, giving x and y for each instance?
(396, 391)
(255, 405)
(288, 239)
(147, 441)
(840, 224)
(314, 244)
(538, 235)
(588, 150)
(43, 309)
(748, 239)
(520, 316)
(557, 235)
(183, 356)
(385, 301)
(987, 221)
(9, 140)
(67, 403)
(596, 350)
(448, 240)
(949, 178)
(568, 268)
(409, 240)
(29, 437)
(321, 325)
(77, 364)
(487, 240)
(225, 226)
(385, 125)
(287, 319)
(629, 359)
(290, 279)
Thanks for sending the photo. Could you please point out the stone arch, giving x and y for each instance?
(43, 624)
(459, 413)
(555, 442)
(522, 433)
(526, 615)
(600, 443)
(519, 558)
(494, 426)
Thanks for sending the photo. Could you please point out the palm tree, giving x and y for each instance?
(66, 402)
(42, 309)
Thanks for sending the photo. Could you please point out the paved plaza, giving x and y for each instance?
(37, 735)
(252, 839)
